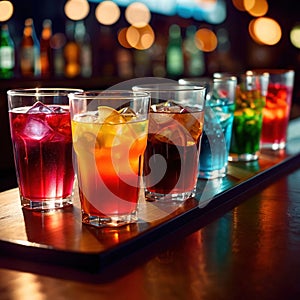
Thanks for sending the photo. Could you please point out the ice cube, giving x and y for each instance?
(58, 109)
(191, 124)
(127, 113)
(39, 107)
(36, 129)
(168, 106)
(90, 117)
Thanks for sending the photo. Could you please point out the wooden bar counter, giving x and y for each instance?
(241, 241)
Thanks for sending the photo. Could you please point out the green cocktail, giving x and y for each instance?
(247, 123)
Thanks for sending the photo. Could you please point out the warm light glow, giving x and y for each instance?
(122, 38)
(248, 4)
(295, 36)
(137, 14)
(107, 13)
(140, 38)
(6, 10)
(265, 31)
(259, 9)
(206, 40)
(77, 9)
(132, 36)
(239, 4)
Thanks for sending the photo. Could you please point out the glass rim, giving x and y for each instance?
(225, 79)
(275, 71)
(44, 92)
(109, 94)
(168, 87)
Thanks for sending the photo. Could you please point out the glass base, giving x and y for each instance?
(273, 146)
(46, 205)
(151, 196)
(109, 221)
(212, 174)
(243, 157)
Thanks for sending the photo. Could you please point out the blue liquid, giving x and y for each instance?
(215, 140)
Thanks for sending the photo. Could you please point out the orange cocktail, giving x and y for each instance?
(109, 146)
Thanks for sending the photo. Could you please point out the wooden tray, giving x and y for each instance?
(60, 239)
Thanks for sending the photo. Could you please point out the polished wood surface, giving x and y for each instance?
(248, 251)
(251, 252)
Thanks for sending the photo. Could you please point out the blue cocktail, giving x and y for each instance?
(215, 143)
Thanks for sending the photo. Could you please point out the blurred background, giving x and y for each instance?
(95, 44)
(168, 38)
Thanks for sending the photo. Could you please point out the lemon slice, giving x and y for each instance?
(107, 114)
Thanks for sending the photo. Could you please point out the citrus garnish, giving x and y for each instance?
(107, 114)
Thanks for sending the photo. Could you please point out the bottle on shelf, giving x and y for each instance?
(45, 49)
(83, 39)
(193, 56)
(30, 51)
(7, 53)
(174, 53)
(71, 53)
(57, 43)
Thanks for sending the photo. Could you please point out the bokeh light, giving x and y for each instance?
(122, 38)
(259, 9)
(140, 38)
(107, 13)
(77, 9)
(239, 5)
(138, 14)
(217, 14)
(265, 31)
(185, 9)
(206, 40)
(206, 4)
(295, 36)
(6, 10)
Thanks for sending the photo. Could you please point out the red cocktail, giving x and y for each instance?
(276, 115)
(41, 135)
(42, 143)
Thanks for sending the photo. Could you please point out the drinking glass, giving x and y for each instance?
(215, 143)
(42, 143)
(109, 130)
(247, 123)
(276, 113)
(175, 129)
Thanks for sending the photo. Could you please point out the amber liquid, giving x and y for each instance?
(176, 140)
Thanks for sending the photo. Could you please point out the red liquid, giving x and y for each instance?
(276, 114)
(43, 154)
